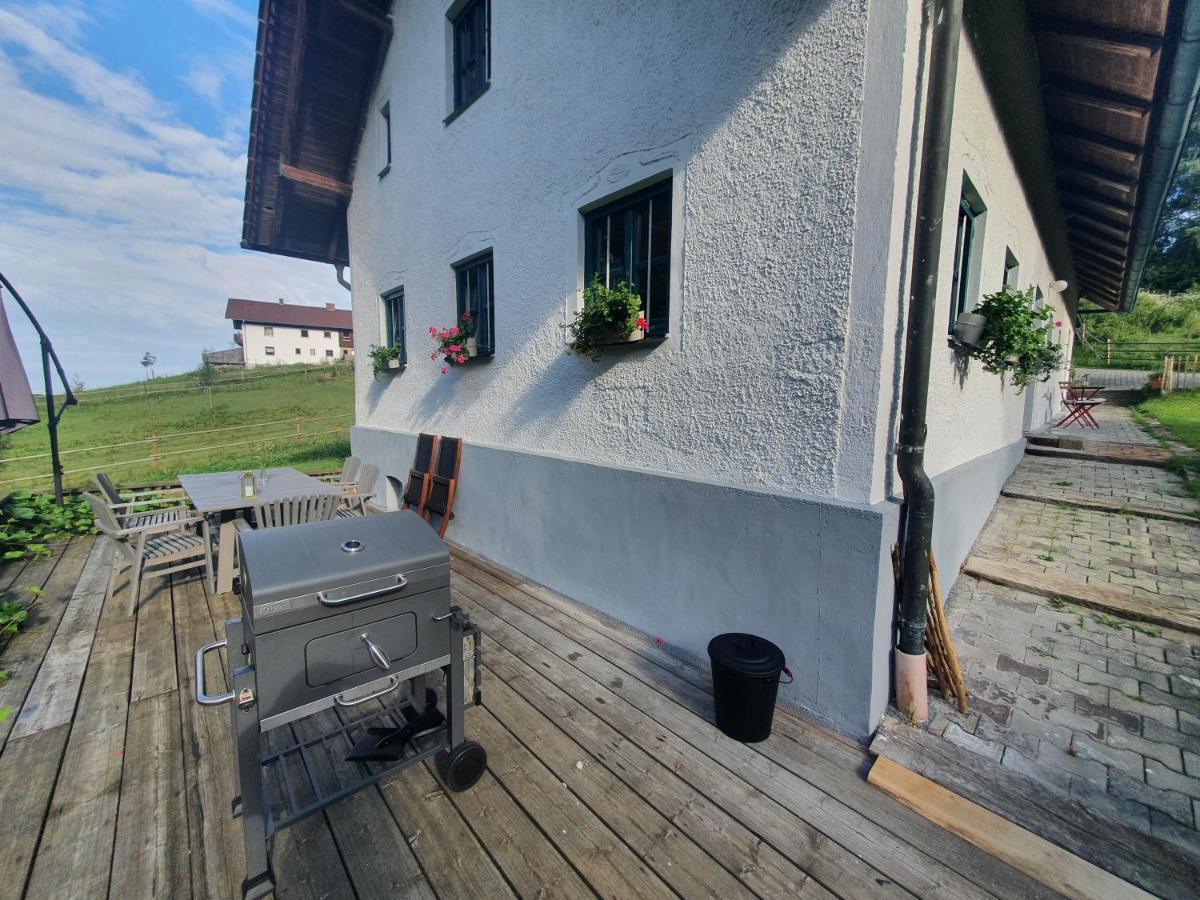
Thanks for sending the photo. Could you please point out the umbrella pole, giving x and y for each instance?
(52, 423)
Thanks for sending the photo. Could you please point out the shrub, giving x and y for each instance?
(1016, 339)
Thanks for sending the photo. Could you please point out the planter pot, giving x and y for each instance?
(472, 348)
(392, 364)
(1156, 382)
(968, 329)
(612, 338)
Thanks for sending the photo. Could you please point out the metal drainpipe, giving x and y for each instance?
(917, 527)
(341, 276)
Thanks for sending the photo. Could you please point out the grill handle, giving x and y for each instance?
(401, 581)
(202, 698)
(377, 656)
(393, 682)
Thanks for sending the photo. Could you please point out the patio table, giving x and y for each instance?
(219, 494)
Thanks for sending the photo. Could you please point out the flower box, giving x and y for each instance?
(613, 338)
(968, 329)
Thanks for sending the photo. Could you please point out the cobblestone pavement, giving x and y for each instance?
(1103, 710)
(1063, 480)
(1116, 426)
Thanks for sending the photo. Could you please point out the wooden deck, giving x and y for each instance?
(606, 777)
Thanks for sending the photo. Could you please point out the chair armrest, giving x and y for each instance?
(171, 525)
(134, 509)
(161, 492)
(240, 525)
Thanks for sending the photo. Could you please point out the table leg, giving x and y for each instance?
(226, 550)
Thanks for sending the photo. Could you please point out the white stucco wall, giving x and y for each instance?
(287, 341)
(754, 108)
(972, 416)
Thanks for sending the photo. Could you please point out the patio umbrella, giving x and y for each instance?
(17, 408)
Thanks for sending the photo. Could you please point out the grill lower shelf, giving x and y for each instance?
(302, 777)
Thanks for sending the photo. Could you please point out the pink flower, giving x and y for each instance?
(455, 348)
(433, 355)
(444, 335)
(432, 330)
(1058, 324)
(460, 359)
(453, 331)
(444, 370)
(642, 324)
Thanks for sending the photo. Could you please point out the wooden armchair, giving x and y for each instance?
(168, 546)
(296, 510)
(348, 474)
(139, 508)
(416, 491)
(354, 502)
(443, 483)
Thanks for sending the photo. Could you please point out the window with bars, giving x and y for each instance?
(474, 283)
(393, 324)
(472, 52)
(964, 281)
(630, 240)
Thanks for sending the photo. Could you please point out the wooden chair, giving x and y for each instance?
(160, 549)
(141, 507)
(354, 502)
(349, 472)
(443, 483)
(417, 489)
(295, 510)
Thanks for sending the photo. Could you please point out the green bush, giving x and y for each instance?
(29, 522)
(1016, 339)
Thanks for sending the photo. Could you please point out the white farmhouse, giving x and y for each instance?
(274, 334)
(805, 195)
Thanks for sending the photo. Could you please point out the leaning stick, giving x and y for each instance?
(944, 635)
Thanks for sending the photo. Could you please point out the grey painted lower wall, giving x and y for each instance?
(964, 498)
(685, 559)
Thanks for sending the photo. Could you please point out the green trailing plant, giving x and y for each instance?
(381, 356)
(608, 316)
(29, 522)
(1017, 338)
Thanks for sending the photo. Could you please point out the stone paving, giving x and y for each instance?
(1104, 710)
(1116, 426)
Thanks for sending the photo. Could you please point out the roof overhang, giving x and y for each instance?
(1119, 83)
(315, 69)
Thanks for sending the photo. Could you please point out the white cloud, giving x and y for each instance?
(119, 222)
(224, 10)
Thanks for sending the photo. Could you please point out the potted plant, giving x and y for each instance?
(456, 345)
(384, 359)
(1016, 338)
(609, 316)
(968, 329)
(1156, 380)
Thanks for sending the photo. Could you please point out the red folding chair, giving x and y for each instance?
(1079, 407)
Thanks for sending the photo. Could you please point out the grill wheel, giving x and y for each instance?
(461, 767)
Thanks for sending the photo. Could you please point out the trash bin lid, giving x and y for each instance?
(746, 653)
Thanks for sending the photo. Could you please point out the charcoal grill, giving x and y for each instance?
(335, 615)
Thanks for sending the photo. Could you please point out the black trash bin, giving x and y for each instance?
(745, 675)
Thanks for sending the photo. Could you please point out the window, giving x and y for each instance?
(303, 332)
(268, 331)
(312, 351)
(630, 241)
(393, 324)
(269, 351)
(385, 140)
(328, 335)
(1012, 268)
(297, 351)
(474, 287)
(329, 353)
(472, 52)
(968, 237)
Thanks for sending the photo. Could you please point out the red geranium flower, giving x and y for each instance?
(443, 370)
(642, 324)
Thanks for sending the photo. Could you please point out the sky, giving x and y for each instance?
(123, 134)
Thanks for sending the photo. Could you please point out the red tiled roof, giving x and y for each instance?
(266, 313)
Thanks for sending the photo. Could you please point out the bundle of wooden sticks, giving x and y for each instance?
(943, 661)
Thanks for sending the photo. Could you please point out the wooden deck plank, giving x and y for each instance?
(154, 646)
(852, 838)
(217, 861)
(10, 572)
(1164, 610)
(53, 695)
(377, 858)
(28, 771)
(600, 856)
(81, 824)
(25, 650)
(827, 761)
(150, 855)
(1068, 874)
(452, 858)
(669, 824)
(537, 671)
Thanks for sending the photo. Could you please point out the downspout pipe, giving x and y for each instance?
(916, 536)
(340, 270)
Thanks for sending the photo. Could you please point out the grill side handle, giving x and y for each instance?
(326, 600)
(202, 698)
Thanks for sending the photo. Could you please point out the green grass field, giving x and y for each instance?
(1179, 413)
(169, 408)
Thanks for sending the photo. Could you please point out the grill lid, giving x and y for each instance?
(303, 572)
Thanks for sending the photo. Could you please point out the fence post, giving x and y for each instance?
(297, 424)
(155, 458)
(1108, 351)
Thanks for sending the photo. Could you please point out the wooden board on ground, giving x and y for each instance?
(1109, 506)
(1164, 610)
(28, 770)
(154, 646)
(798, 746)
(51, 699)
(1053, 866)
(1067, 822)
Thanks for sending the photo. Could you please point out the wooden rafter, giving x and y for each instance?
(315, 180)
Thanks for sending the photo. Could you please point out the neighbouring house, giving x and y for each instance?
(764, 176)
(274, 334)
